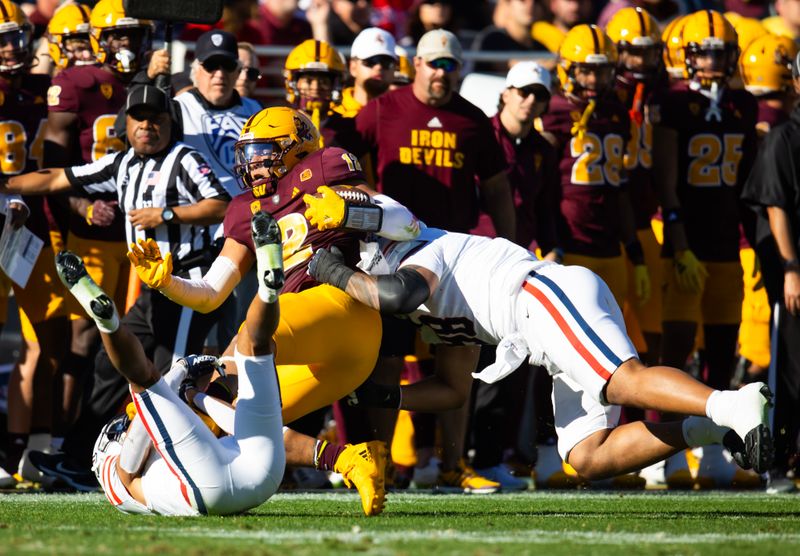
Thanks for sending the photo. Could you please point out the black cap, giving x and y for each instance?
(147, 96)
(216, 43)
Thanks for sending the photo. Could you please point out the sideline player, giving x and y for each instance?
(466, 290)
(190, 471)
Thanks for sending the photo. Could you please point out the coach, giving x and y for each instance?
(170, 195)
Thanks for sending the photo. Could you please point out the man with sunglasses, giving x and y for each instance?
(170, 195)
(432, 147)
(213, 111)
(372, 65)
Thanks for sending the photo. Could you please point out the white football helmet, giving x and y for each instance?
(109, 443)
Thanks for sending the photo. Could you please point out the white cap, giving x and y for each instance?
(439, 44)
(373, 41)
(525, 74)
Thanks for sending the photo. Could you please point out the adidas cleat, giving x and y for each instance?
(269, 249)
(73, 274)
(364, 465)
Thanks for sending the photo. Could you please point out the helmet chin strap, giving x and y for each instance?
(714, 94)
(125, 58)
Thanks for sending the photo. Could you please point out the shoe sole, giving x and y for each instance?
(266, 232)
(737, 449)
(69, 276)
(759, 448)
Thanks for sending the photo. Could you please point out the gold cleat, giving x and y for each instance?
(364, 465)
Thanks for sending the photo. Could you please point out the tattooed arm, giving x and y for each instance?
(398, 293)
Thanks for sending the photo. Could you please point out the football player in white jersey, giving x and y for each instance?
(189, 471)
(469, 290)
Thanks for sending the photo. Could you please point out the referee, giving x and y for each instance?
(170, 195)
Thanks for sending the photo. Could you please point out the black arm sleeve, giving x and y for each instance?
(402, 292)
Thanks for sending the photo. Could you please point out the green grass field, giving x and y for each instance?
(331, 523)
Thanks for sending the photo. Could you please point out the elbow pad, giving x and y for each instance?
(398, 223)
(207, 293)
(402, 292)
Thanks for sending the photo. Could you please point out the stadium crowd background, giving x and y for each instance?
(506, 430)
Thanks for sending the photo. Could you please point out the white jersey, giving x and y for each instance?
(479, 279)
(214, 132)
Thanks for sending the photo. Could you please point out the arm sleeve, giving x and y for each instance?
(96, 177)
(207, 293)
(398, 223)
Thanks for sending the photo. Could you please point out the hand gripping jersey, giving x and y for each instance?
(592, 172)
(328, 166)
(95, 95)
(716, 147)
(23, 115)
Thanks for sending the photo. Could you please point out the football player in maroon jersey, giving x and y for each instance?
(709, 129)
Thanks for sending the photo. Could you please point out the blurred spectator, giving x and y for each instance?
(787, 22)
(748, 8)
(236, 19)
(372, 65)
(404, 73)
(392, 15)
(280, 24)
(511, 31)
(338, 22)
(249, 74)
(569, 13)
(426, 16)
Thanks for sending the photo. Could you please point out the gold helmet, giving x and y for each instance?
(708, 34)
(747, 29)
(110, 25)
(672, 37)
(313, 57)
(16, 32)
(69, 23)
(766, 65)
(271, 143)
(634, 31)
(404, 73)
(587, 47)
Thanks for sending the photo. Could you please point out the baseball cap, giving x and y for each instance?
(373, 41)
(146, 96)
(526, 74)
(216, 43)
(439, 43)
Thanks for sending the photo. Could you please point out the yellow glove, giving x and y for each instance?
(690, 273)
(641, 279)
(153, 270)
(326, 212)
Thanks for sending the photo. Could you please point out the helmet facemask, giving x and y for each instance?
(712, 62)
(16, 51)
(260, 163)
(639, 62)
(125, 47)
(591, 80)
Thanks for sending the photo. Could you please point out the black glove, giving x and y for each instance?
(198, 366)
(328, 267)
(372, 394)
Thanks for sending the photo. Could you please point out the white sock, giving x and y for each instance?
(86, 291)
(721, 405)
(268, 257)
(701, 431)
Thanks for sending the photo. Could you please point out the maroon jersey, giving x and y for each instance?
(430, 158)
(533, 178)
(768, 117)
(329, 166)
(23, 115)
(95, 95)
(592, 172)
(639, 152)
(716, 149)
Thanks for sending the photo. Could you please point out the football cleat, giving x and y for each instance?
(364, 465)
(464, 479)
(59, 466)
(751, 423)
(73, 274)
(269, 250)
(502, 474)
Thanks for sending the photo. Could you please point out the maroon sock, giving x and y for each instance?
(17, 442)
(326, 455)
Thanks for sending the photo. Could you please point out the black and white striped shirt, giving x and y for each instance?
(177, 177)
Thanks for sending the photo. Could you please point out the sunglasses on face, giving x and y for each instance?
(447, 65)
(538, 92)
(226, 64)
(385, 62)
(252, 74)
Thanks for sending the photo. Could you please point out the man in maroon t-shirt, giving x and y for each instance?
(433, 146)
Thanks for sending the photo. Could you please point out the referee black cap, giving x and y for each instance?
(147, 96)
